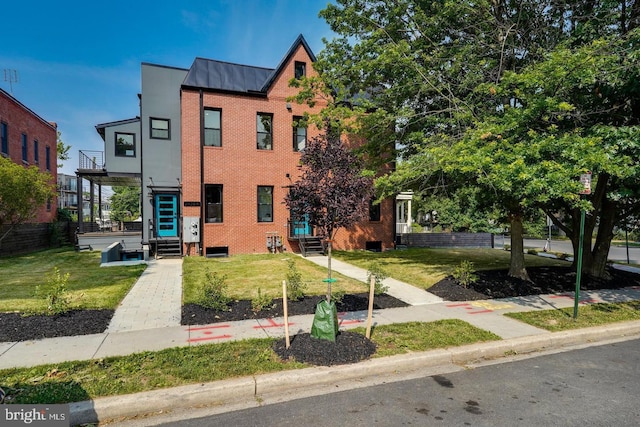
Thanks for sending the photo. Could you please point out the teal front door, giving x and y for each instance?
(301, 227)
(167, 215)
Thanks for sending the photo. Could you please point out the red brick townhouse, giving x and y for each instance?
(241, 152)
(29, 140)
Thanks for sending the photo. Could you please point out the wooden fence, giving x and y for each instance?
(26, 238)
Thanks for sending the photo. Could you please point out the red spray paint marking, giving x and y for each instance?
(219, 337)
(272, 324)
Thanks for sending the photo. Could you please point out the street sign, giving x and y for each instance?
(585, 180)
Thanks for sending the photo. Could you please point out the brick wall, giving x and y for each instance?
(21, 120)
(240, 167)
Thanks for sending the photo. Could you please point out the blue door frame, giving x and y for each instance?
(166, 215)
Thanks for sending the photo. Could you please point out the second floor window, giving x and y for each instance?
(265, 204)
(47, 158)
(4, 138)
(160, 128)
(212, 128)
(264, 131)
(299, 134)
(125, 144)
(36, 156)
(25, 153)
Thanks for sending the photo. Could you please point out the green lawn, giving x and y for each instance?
(89, 285)
(588, 315)
(83, 380)
(425, 267)
(246, 273)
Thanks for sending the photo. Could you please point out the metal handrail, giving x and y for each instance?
(91, 160)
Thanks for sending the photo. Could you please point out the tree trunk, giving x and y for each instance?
(517, 268)
(329, 270)
(600, 253)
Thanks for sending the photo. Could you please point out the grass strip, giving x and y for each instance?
(84, 380)
(588, 315)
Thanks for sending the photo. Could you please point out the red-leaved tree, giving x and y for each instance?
(333, 191)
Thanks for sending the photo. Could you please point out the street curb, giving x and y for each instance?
(229, 392)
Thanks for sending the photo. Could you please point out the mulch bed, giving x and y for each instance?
(544, 280)
(349, 347)
(194, 314)
(17, 327)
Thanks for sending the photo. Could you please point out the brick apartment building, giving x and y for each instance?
(27, 139)
(215, 149)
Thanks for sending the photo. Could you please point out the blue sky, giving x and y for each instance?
(78, 62)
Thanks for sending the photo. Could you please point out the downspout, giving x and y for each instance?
(145, 221)
(202, 195)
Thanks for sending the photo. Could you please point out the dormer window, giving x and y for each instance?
(300, 69)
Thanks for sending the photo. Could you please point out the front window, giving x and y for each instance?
(36, 157)
(213, 202)
(374, 211)
(265, 204)
(160, 128)
(125, 144)
(25, 154)
(212, 128)
(300, 69)
(299, 134)
(47, 157)
(264, 131)
(4, 137)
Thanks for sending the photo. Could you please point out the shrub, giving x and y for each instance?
(379, 275)
(215, 292)
(463, 273)
(532, 251)
(261, 302)
(295, 287)
(55, 293)
(337, 295)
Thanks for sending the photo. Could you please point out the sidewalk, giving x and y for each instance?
(148, 319)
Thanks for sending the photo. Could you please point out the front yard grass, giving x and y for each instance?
(246, 273)
(84, 380)
(588, 315)
(423, 267)
(89, 285)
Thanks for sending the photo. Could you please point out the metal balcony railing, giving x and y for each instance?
(91, 160)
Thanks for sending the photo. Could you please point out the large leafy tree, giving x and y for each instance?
(428, 79)
(125, 203)
(23, 190)
(333, 192)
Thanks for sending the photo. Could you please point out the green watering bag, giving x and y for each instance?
(325, 321)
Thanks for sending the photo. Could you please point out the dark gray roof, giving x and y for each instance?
(228, 77)
(211, 74)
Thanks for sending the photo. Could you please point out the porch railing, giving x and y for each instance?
(93, 160)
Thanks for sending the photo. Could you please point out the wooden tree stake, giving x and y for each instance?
(286, 314)
(372, 286)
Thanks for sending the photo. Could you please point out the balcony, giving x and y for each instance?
(91, 160)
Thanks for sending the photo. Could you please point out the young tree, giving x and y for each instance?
(333, 192)
(22, 192)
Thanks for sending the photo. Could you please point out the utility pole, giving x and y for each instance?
(10, 76)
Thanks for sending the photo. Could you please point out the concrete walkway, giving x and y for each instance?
(155, 301)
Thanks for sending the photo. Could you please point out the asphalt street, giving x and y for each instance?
(617, 253)
(592, 386)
